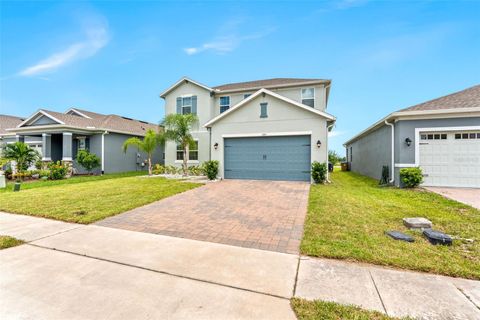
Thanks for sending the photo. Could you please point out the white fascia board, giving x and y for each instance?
(38, 113)
(273, 94)
(77, 112)
(278, 86)
(179, 82)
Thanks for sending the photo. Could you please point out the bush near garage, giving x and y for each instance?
(211, 169)
(411, 177)
(319, 172)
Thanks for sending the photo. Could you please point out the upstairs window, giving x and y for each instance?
(224, 104)
(263, 110)
(308, 97)
(187, 105)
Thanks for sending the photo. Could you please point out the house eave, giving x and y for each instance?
(287, 85)
(184, 80)
(416, 115)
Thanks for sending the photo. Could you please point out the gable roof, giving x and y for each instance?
(463, 102)
(184, 80)
(468, 98)
(273, 94)
(91, 121)
(7, 122)
(268, 83)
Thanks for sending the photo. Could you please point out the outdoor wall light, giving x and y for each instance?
(215, 145)
(408, 142)
(319, 143)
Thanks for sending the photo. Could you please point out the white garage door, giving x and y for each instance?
(450, 159)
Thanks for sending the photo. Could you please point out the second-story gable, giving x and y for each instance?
(188, 96)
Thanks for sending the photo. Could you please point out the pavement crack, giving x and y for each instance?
(159, 271)
(378, 292)
(467, 296)
(57, 233)
(296, 278)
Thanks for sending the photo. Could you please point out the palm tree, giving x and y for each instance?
(147, 145)
(177, 128)
(22, 154)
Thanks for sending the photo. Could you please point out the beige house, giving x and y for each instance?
(268, 129)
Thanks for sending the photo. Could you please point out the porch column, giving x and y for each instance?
(19, 138)
(67, 146)
(46, 147)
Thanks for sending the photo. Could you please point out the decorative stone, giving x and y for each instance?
(400, 236)
(437, 237)
(417, 223)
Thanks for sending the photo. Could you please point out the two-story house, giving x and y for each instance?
(267, 129)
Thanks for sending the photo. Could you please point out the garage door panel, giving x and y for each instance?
(450, 162)
(268, 158)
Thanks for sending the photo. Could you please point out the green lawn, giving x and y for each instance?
(7, 242)
(347, 220)
(89, 199)
(30, 184)
(322, 310)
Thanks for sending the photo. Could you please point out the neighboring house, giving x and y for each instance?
(268, 129)
(441, 136)
(59, 136)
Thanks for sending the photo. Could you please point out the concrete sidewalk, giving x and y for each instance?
(66, 270)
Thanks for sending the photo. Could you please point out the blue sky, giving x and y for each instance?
(116, 57)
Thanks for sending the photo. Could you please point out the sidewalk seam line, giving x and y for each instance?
(466, 296)
(158, 271)
(296, 277)
(378, 292)
(51, 235)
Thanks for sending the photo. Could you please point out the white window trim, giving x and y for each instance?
(188, 160)
(435, 129)
(301, 95)
(187, 106)
(224, 105)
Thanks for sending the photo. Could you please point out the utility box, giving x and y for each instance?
(345, 166)
(3, 183)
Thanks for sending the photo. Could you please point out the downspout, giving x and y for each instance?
(392, 174)
(328, 130)
(209, 143)
(103, 151)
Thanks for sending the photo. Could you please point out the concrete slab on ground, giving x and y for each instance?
(29, 228)
(470, 196)
(257, 270)
(37, 283)
(402, 293)
(338, 282)
(422, 296)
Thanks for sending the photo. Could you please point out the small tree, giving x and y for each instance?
(88, 160)
(148, 145)
(22, 154)
(177, 129)
(333, 157)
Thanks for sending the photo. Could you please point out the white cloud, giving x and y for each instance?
(96, 35)
(332, 134)
(227, 43)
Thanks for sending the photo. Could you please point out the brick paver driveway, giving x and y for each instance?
(256, 214)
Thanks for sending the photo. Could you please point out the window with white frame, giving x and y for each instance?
(82, 145)
(467, 135)
(308, 97)
(224, 104)
(433, 136)
(186, 105)
(192, 152)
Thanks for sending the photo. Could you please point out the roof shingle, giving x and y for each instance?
(468, 98)
(7, 122)
(267, 83)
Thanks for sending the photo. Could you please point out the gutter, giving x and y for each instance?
(103, 151)
(392, 171)
(329, 127)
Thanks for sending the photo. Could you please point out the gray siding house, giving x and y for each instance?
(59, 136)
(266, 129)
(441, 136)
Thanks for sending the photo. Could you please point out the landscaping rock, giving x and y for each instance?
(437, 237)
(400, 236)
(417, 223)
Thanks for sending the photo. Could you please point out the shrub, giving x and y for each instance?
(88, 160)
(44, 173)
(58, 170)
(171, 170)
(411, 177)
(211, 169)
(158, 169)
(195, 170)
(319, 172)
